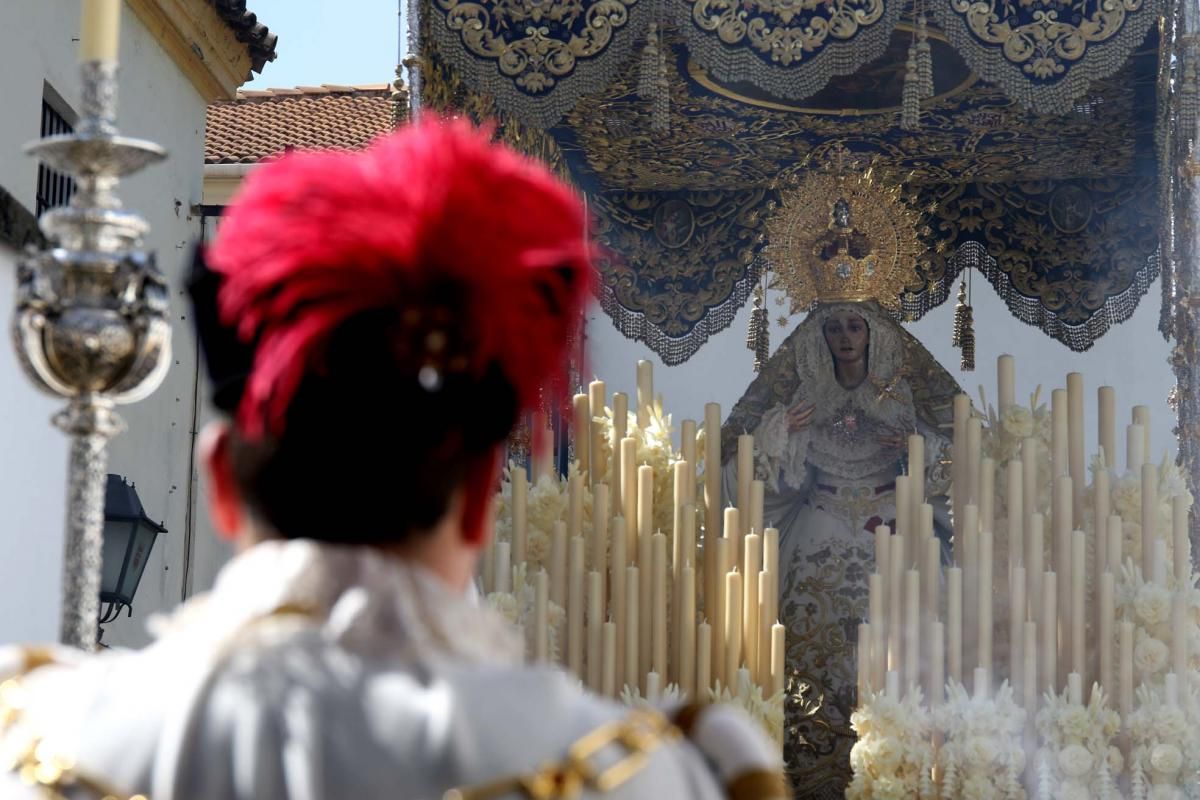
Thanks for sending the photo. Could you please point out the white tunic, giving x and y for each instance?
(314, 672)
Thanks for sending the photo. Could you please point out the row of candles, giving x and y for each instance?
(646, 608)
(907, 642)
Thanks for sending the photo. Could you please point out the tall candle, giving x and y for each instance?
(617, 474)
(520, 513)
(100, 30)
(543, 444)
(971, 588)
(1006, 381)
(1030, 679)
(581, 430)
(608, 671)
(677, 546)
(658, 590)
(595, 632)
(724, 558)
(974, 436)
(616, 577)
(1014, 501)
(766, 618)
(903, 496)
(558, 564)
(912, 628)
(1061, 544)
(646, 603)
(1078, 599)
(892, 685)
(1035, 565)
(1075, 688)
(771, 565)
(757, 498)
(1180, 542)
(1149, 517)
(733, 625)
(745, 476)
(704, 649)
(1048, 625)
(1125, 643)
(503, 573)
(598, 458)
(1171, 688)
(937, 664)
(687, 633)
(882, 536)
(645, 502)
(1075, 421)
(645, 392)
(653, 687)
(1059, 441)
(574, 506)
(896, 605)
(931, 580)
(982, 682)
(954, 622)
(1105, 638)
(958, 472)
(632, 669)
(862, 654)
(985, 600)
(575, 592)
(541, 617)
(1141, 416)
(1016, 630)
(1135, 448)
(687, 441)
(598, 558)
(712, 492)
(1029, 473)
(987, 495)
(878, 633)
(1116, 542)
(778, 652)
(1100, 512)
(1106, 399)
(752, 561)
(629, 494)
(916, 475)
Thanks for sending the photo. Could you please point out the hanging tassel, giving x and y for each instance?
(758, 337)
(960, 314)
(660, 111)
(648, 69)
(924, 60)
(968, 341)
(910, 103)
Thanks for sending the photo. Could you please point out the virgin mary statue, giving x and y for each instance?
(830, 413)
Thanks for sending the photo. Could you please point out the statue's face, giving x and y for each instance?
(847, 335)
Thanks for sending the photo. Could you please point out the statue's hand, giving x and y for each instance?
(800, 416)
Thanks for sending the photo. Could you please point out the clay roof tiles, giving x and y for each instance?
(249, 31)
(261, 124)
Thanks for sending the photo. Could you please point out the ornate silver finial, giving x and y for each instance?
(91, 322)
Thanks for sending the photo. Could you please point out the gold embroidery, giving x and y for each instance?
(759, 784)
(639, 734)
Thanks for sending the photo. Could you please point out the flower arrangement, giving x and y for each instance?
(893, 757)
(766, 711)
(1002, 439)
(547, 504)
(1126, 500)
(519, 607)
(984, 755)
(1148, 606)
(1165, 746)
(1077, 759)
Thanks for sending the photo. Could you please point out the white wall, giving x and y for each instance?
(157, 103)
(1131, 357)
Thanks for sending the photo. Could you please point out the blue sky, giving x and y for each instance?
(329, 41)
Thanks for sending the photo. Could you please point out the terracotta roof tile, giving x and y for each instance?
(259, 40)
(261, 124)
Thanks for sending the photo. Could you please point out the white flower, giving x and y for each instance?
(886, 754)
(1017, 421)
(1171, 724)
(1150, 655)
(1075, 761)
(1152, 604)
(1166, 759)
(1127, 496)
(1071, 790)
(1074, 722)
(506, 605)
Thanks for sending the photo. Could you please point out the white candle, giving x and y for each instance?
(687, 638)
(575, 608)
(937, 664)
(757, 499)
(1035, 566)
(632, 670)
(1171, 688)
(1126, 676)
(1016, 630)
(558, 565)
(659, 595)
(1029, 474)
(733, 624)
(543, 447)
(1149, 517)
(541, 617)
(574, 506)
(974, 435)
(1063, 524)
(100, 30)
(597, 464)
(1116, 541)
(520, 513)
(680, 499)
(703, 661)
(892, 688)
(752, 560)
(1006, 381)
(862, 654)
(1075, 688)
(912, 629)
(1030, 680)
(581, 430)
(616, 577)
(903, 496)
(645, 392)
(878, 633)
(712, 491)
(1106, 398)
(1075, 421)
(1100, 512)
(1048, 625)
(724, 558)
(958, 471)
(765, 619)
(503, 573)
(771, 569)
(778, 651)
(916, 475)
(1141, 416)
(687, 442)
(931, 580)
(1105, 638)
(1078, 599)
(1014, 500)
(629, 494)
(896, 605)
(1059, 441)
(608, 672)
(745, 476)
(985, 601)
(617, 473)
(982, 687)
(653, 687)
(1135, 448)
(971, 588)
(595, 633)
(1180, 542)
(954, 621)
(987, 495)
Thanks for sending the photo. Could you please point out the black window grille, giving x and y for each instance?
(54, 188)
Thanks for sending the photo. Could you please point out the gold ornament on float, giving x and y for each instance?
(844, 237)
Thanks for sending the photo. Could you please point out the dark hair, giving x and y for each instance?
(368, 454)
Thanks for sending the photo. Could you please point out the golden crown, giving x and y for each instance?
(844, 237)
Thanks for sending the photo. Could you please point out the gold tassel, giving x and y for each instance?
(910, 102)
(648, 68)
(960, 314)
(924, 60)
(968, 342)
(758, 336)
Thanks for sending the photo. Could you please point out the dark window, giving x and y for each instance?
(54, 188)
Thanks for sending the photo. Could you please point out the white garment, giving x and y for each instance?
(314, 672)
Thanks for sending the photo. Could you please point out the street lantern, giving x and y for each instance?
(128, 539)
